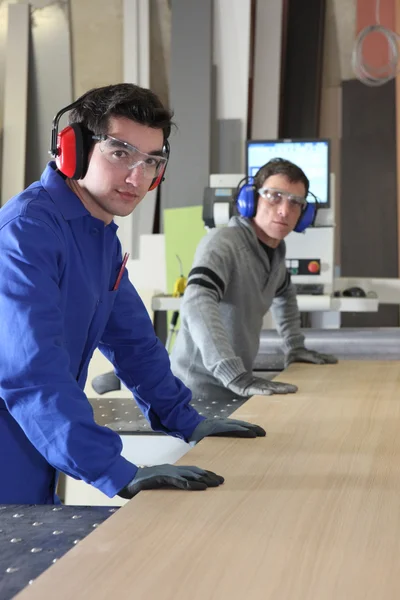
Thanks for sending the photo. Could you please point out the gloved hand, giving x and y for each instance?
(167, 476)
(248, 385)
(309, 356)
(107, 382)
(226, 428)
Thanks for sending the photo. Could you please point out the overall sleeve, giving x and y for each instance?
(35, 379)
(142, 363)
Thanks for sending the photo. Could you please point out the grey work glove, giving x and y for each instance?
(170, 476)
(107, 382)
(222, 427)
(303, 355)
(249, 385)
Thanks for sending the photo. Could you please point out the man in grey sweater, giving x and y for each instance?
(238, 274)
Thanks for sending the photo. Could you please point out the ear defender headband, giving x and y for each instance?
(70, 148)
(161, 176)
(246, 198)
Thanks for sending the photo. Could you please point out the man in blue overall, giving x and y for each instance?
(64, 292)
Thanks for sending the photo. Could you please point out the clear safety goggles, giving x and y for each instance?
(124, 156)
(275, 197)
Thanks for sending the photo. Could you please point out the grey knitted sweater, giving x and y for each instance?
(231, 287)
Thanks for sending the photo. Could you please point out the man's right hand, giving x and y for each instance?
(248, 385)
(170, 476)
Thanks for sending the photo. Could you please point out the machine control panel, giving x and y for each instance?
(309, 289)
(218, 206)
(303, 266)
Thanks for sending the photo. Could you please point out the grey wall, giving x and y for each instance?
(190, 99)
(267, 69)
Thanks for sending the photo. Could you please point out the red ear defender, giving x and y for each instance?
(70, 147)
(160, 177)
(157, 180)
(72, 157)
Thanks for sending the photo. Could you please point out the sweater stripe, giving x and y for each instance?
(203, 283)
(211, 275)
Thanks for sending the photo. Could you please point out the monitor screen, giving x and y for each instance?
(310, 155)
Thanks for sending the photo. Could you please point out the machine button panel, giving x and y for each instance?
(314, 267)
(303, 266)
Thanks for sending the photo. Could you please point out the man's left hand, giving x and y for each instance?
(226, 428)
(309, 356)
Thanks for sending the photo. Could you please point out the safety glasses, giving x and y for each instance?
(125, 157)
(275, 197)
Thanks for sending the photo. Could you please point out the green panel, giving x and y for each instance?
(183, 230)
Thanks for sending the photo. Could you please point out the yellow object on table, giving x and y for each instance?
(179, 287)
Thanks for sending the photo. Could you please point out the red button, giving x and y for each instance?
(313, 266)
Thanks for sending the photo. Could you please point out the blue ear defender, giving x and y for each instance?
(246, 204)
(246, 198)
(308, 215)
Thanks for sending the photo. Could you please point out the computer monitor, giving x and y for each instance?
(311, 155)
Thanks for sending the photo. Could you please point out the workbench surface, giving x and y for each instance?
(312, 511)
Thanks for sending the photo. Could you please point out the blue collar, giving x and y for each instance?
(63, 197)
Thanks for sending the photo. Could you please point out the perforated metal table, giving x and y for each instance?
(124, 416)
(32, 538)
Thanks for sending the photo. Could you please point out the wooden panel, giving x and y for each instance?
(15, 101)
(136, 61)
(190, 98)
(368, 208)
(231, 59)
(49, 61)
(330, 127)
(368, 199)
(367, 111)
(227, 146)
(267, 69)
(97, 43)
(397, 28)
(309, 512)
(302, 52)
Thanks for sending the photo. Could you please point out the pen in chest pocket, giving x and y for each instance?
(121, 272)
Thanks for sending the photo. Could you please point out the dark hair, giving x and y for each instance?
(121, 100)
(280, 166)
